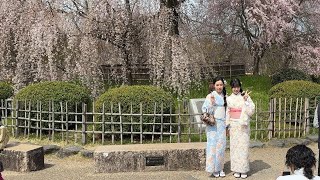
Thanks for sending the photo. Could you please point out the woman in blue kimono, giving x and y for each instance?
(215, 104)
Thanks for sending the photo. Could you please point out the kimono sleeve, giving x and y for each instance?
(207, 106)
(249, 107)
(228, 114)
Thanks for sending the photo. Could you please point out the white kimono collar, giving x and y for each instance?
(298, 172)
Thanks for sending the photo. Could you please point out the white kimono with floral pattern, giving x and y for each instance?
(239, 132)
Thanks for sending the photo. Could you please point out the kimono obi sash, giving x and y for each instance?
(235, 113)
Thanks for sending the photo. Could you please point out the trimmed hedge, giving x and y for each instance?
(289, 74)
(57, 91)
(134, 95)
(6, 90)
(295, 89)
(53, 93)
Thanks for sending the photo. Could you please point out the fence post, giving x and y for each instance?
(52, 121)
(17, 120)
(40, 117)
(37, 120)
(112, 125)
(121, 124)
(93, 124)
(84, 123)
(67, 123)
(131, 120)
(6, 112)
(103, 122)
(171, 122)
(179, 122)
(306, 116)
(154, 120)
(29, 119)
(61, 121)
(271, 119)
(141, 124)
(2, 110)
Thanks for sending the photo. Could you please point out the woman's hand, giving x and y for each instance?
(246, 95)
(212, 100)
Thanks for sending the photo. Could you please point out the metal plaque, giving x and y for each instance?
(154, 160)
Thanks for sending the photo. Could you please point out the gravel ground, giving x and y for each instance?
(266, 163)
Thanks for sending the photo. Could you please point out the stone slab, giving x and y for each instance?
(126, 158)
(23, 158)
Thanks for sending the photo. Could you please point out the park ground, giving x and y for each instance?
(266, 163)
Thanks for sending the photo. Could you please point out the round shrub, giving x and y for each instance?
(295, 89)
(57, 91)
(289, 74)
(132, 96)
(6, 90)
(50, 94)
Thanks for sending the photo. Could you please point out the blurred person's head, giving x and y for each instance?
(300, 156)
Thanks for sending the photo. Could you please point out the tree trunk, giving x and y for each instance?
(172, 5)
(258, 53)
(128, 68)
(127, 51)
(256, 63)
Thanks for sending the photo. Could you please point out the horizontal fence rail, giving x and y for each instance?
(141, 72)
(119, 123)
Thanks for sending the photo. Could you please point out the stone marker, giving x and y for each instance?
(23, 157)
(195, 108)
(150, 157)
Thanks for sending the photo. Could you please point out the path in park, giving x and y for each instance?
(266, 163)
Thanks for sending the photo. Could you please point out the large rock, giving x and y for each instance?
(313, 138)
(256, 144)
(295, 141)
(23, 157)
(288, 142)
(276, 143)
(86, 153)
(68, 151)
(48, 149)
(150, 157)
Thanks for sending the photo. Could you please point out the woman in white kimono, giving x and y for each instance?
(240, 108)
(215, 104)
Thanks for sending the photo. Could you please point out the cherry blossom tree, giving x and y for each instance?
(71, 39)
(262, 24)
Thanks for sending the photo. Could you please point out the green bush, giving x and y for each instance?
(52, 93)
(315, 78)
(6, 90)
(295, 89)
(132, 96)
(57, 91)
(289, 74)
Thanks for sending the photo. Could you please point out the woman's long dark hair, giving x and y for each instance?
(236, 83)
(224, 91)
(300, 156)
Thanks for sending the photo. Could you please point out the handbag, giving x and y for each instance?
(208, 119)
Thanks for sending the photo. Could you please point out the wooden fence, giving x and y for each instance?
(117, 124)
(141, 72)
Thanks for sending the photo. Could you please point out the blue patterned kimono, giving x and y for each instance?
(216, 135)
